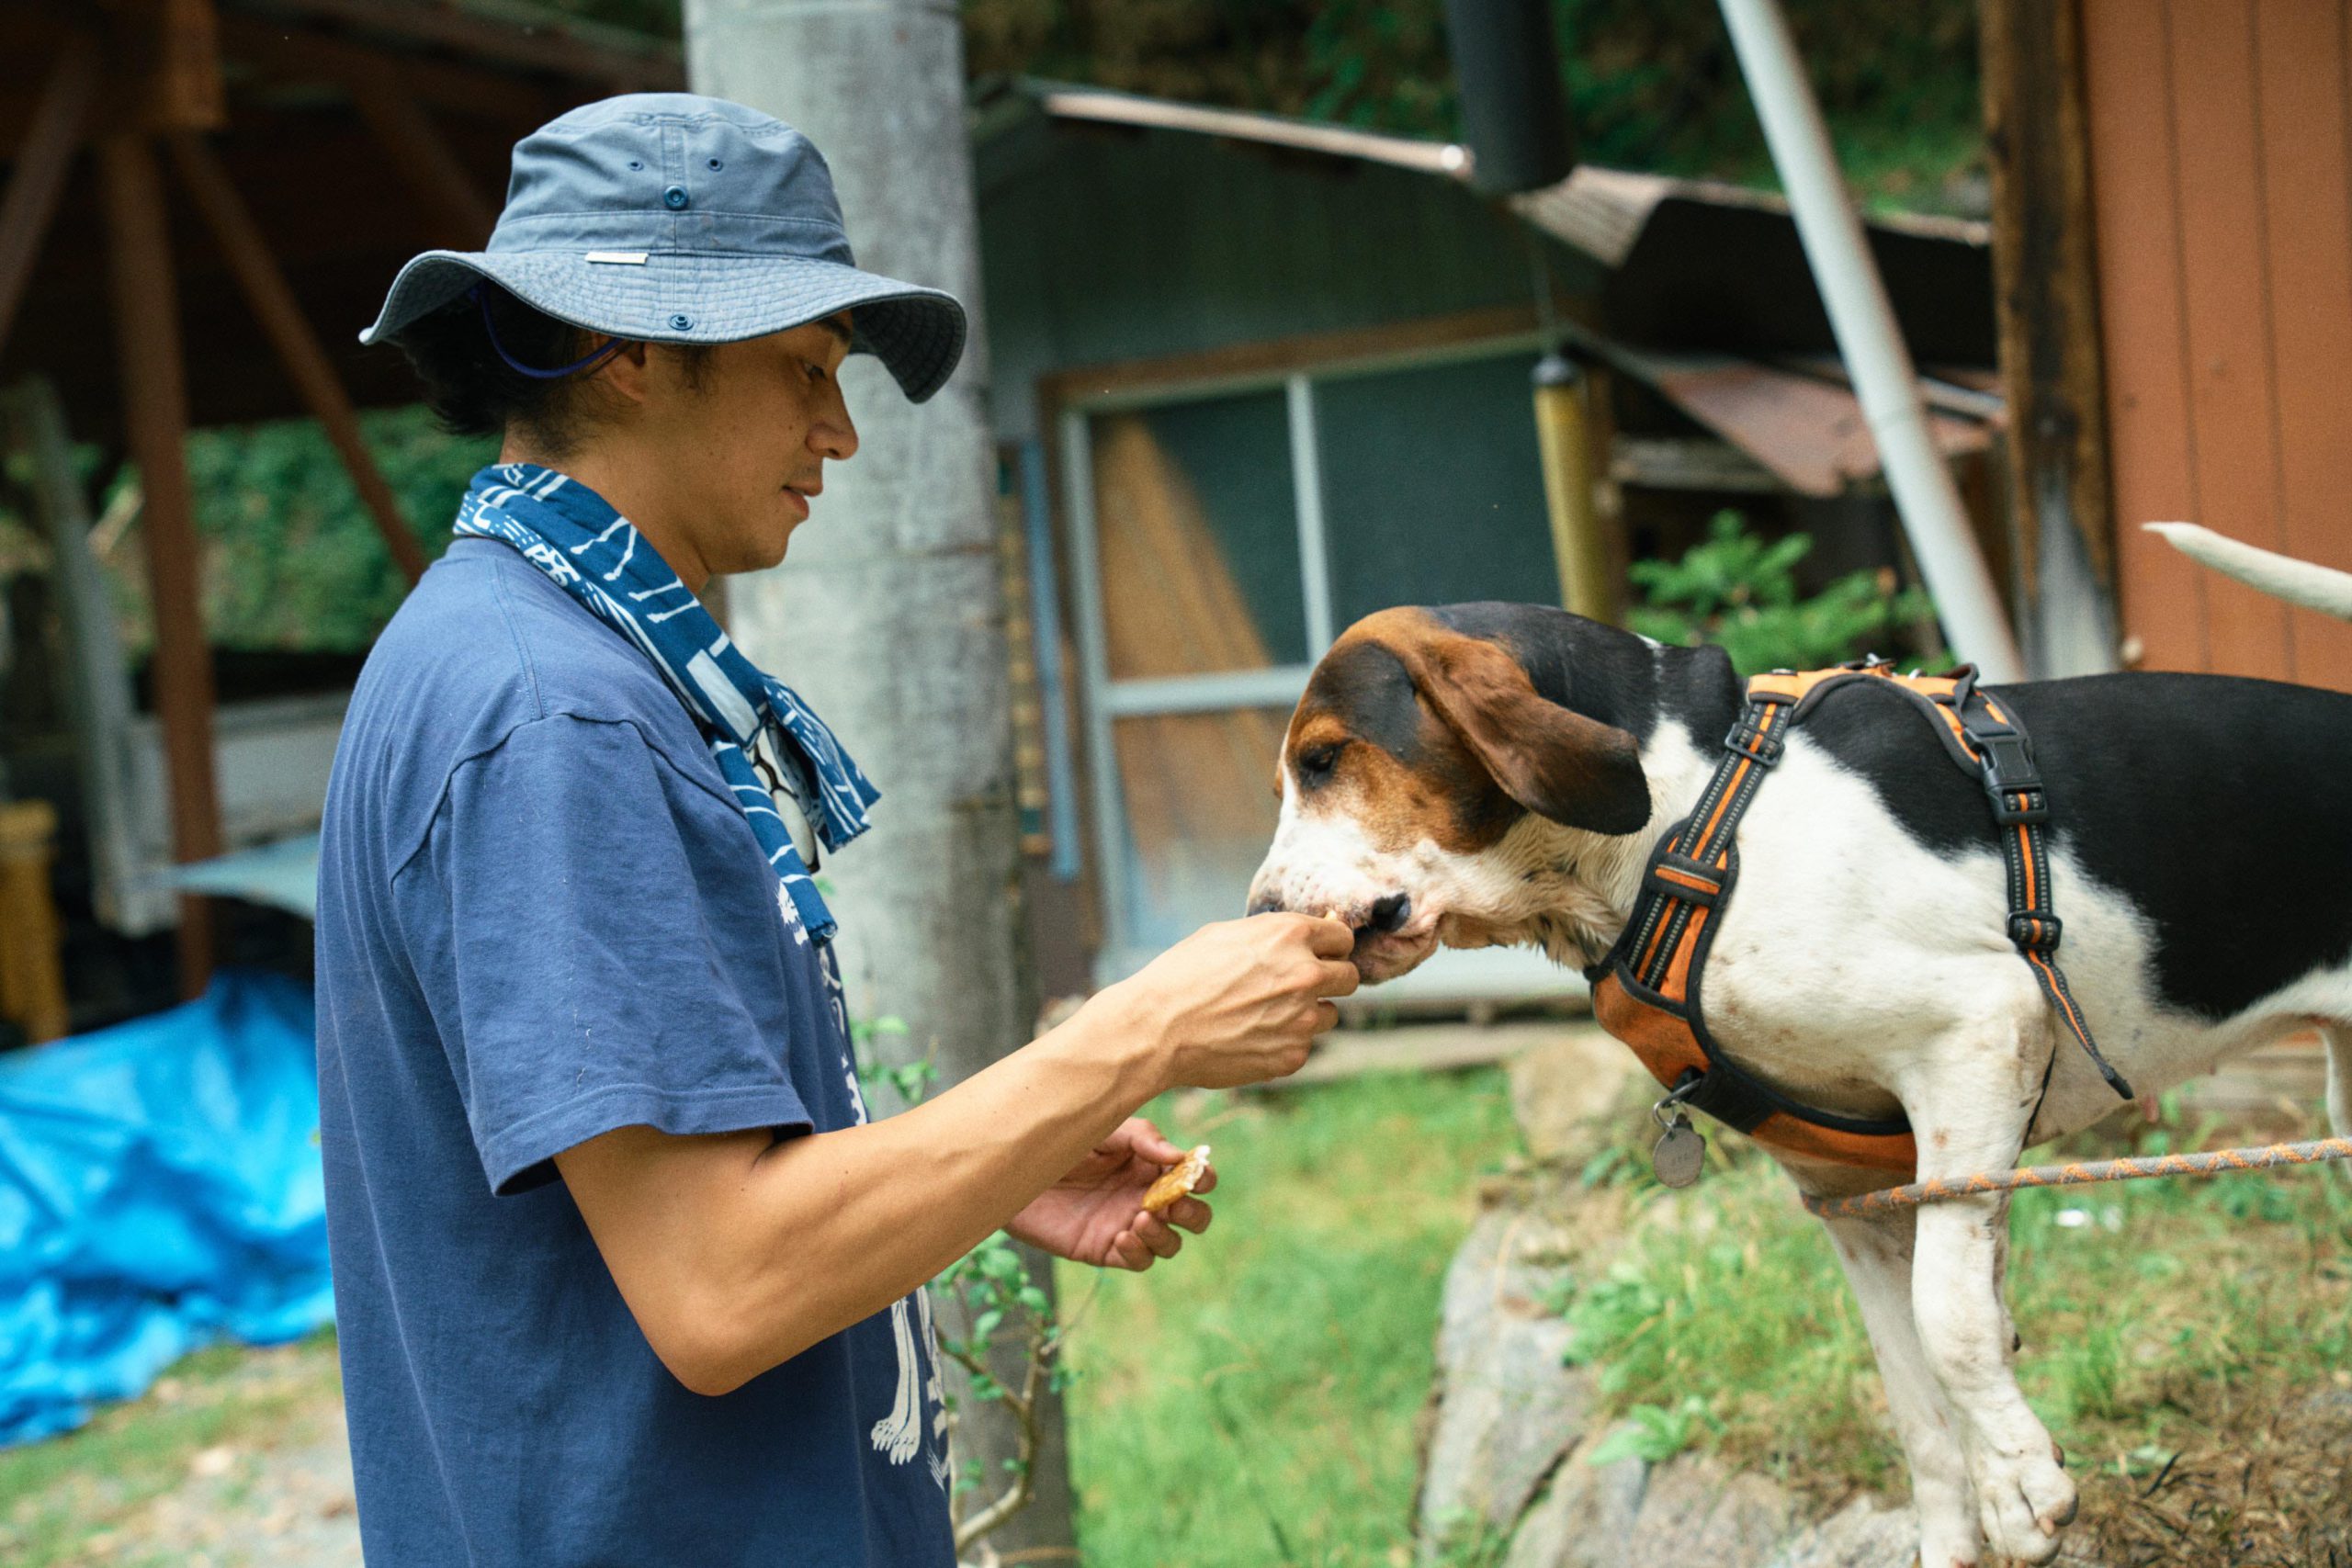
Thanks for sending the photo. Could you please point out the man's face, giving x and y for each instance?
(748, 438)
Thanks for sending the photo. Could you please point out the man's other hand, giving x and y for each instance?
(1095, 1215)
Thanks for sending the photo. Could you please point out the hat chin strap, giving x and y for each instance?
(586, 362)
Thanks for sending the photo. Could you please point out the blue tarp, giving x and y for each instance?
(159, 1188)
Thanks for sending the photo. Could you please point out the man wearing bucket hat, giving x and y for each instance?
(623, 1273)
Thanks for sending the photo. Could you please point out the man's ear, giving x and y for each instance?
(626, 374)
(1555, 762)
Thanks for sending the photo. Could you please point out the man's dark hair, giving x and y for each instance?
(473, 391)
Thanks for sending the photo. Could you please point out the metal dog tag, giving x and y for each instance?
(1679, 1155)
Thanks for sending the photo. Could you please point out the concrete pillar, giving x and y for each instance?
(889, 612)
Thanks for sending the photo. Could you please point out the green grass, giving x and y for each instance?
(55, 1495)
(2157, 1317)
(1252, 1401)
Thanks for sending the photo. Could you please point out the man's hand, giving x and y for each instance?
(1095, 1215)
(1237, 1002)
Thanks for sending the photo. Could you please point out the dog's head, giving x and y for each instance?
(1430, 794)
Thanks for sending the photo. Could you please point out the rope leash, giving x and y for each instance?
(2077, 1174)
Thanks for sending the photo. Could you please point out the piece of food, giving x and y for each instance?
(1179, 1181)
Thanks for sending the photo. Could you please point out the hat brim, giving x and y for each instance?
(917, 333)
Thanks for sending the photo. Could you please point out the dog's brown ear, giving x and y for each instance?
(1555, 762)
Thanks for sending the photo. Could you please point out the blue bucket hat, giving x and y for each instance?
(672, 218)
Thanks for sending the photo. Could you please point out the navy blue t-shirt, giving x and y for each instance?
(541, 916)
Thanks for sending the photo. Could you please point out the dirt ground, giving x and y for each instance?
(243, 1467)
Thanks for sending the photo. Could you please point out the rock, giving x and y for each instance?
(1509, 1408)
(1695, 1510)
(1559, 1089)
(1860, 1535)
(1585, 1515)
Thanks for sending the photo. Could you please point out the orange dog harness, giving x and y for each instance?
(1646, 992)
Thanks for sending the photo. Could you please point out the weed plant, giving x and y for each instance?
(2155, 1314)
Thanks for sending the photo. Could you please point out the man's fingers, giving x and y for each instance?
(1191, 1214)
(1340, 978)
(1128, 1251)
(1156, 1235)
(1327, 938)
(1207, 1183)
(1146, 1140)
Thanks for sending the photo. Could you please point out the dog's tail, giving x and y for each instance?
(2282, 577)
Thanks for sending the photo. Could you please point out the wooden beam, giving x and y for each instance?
(2046, 306)
(452, 206)
(177, 63)
(1280, 357)
(306, 366)
(147, 342)
(39, 176)
(295, 55)
(601, 59)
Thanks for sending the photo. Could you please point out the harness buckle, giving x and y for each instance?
(2007, 758)
(2013, 803)
(1689, 880)
(1753, 743)
(2035, 931)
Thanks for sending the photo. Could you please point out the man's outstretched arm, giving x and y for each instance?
(735, 1252)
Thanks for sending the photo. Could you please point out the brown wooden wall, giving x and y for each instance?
(2221, 150)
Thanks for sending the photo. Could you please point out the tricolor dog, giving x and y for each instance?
(1484, 774)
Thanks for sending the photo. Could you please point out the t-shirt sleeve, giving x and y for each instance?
(582, 877)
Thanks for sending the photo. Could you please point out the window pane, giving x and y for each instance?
(1433, 487)
(1201, 810)
(1199, 538)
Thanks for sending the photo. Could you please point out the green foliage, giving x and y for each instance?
(291, 560)
(2151, 1310)
(1735, 589)
(990, 1289)
(1654, 1433)
(1649, 83)
(1251, 1403)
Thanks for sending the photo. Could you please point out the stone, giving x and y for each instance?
(1567, 1092)
(1508, 1406)
(1696, 1510)
(1863, 1534)
(1589, 1510)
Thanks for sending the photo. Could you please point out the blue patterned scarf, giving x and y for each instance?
(596, 556)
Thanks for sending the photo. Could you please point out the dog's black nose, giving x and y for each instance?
(1389, 913)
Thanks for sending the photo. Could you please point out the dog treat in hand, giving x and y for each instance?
(1179, 1181)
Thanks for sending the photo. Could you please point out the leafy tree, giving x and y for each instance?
(1740, 591)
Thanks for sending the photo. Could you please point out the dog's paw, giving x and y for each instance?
(2024, 1501)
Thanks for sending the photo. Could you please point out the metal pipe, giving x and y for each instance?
(1869, 342)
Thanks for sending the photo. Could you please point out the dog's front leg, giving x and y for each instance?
(1878, 1256)
(1969, 1112)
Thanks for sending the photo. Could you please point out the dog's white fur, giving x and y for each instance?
(1862, 971)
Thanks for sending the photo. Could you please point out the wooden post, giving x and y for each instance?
(299, 350)
(2046, 308)
(461, 218)
(41, 165)
(32, 977)
(147, 341)
(1573, 481)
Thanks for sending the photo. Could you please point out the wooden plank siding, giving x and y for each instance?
(2220, 136)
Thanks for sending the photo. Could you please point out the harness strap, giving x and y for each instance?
(1656, 963)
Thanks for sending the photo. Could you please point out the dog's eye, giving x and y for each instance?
(1315, 762)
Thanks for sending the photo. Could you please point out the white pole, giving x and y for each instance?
(1876, 359)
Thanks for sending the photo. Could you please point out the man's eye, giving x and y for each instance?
(816, 373)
